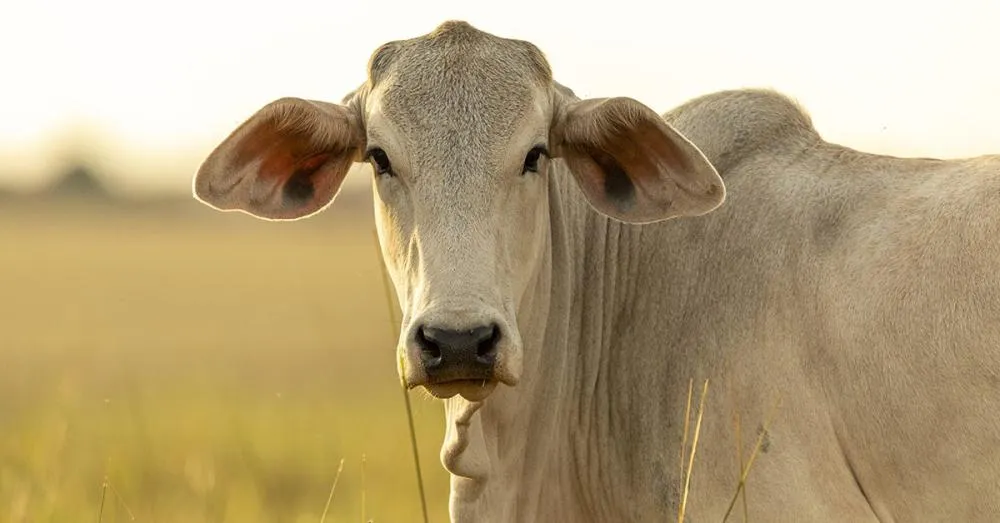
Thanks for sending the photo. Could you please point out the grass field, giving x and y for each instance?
(212, 366)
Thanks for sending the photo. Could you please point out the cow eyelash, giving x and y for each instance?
(380, 161)
(531, 159)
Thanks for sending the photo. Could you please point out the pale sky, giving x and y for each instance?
(152, 87)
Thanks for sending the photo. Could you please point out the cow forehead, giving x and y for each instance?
(457, 86)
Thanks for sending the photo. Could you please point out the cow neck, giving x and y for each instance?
(601, 265)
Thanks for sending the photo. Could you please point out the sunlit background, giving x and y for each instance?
(217, 368)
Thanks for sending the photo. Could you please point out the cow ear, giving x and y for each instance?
(286, 162)
(631, 165)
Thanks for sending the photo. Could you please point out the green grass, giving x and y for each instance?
(211, 366)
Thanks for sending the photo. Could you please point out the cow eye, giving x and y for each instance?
(531, 160)
(380, 161)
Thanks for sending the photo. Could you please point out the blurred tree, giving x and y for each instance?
(78, 181)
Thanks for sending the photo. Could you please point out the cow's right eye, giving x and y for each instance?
(380, 161)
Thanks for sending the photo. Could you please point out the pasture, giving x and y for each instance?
(212, 366)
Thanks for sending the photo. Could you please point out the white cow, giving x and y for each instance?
(550, 297)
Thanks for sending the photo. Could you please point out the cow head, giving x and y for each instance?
(462, 129)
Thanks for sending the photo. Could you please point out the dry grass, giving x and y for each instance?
(745, 469)
(211, 367)
(687, 458)
(689, 468)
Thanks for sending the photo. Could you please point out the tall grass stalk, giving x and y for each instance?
(104, 495)
(329, 499)
(121, 500)
(394, 326)
(687, 419)
(741, 487)
(739, 458)
(364, 492)
(105, 486)
(694, 449)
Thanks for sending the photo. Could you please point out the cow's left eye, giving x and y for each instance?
(531, 160)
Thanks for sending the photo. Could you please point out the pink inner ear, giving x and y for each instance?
(301, 186)
(283, 156)
(313, 162)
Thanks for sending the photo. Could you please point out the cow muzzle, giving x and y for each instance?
(455, 355)
(469, 360)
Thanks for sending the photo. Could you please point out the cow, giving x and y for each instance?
(570, 269)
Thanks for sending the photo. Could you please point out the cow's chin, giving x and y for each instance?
(471, 390)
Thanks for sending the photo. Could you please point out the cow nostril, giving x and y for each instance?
(487, 347)
(429, 349)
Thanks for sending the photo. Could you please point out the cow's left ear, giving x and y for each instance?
(287, 161)
(631, 165)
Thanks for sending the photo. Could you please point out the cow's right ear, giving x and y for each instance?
(631, 164)
(285, 162)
